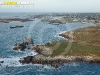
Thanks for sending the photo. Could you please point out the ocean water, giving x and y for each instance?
(41, 32)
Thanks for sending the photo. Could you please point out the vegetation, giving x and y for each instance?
(75, 49)
(87, 43)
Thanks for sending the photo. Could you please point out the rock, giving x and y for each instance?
(46, 51)
(42, 49)
(16, 27)
(65, 36)
(25, 41)
(21, 46)
(1, 61)
(18, 48)
(28, 41)
(26, 60)
(49, 43)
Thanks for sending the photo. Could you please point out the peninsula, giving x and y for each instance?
(85, 47)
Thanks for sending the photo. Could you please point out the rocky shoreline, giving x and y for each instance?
(58, 60)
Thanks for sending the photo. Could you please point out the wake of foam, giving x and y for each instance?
(10, 62)
(13, 61)
(72, 64)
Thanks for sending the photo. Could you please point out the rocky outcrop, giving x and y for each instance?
(26, 60)
(67, 35)
(28, 41)
(42, 49)
(21, 46)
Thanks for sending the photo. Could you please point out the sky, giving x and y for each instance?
(56, 6)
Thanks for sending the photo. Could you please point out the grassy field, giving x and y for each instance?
(88, 42)
(75, 49)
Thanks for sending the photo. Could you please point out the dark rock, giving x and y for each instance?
(49, 43)
(21, 46)
(26, 60)
(16, 27)
(79, 59)
(1, 61)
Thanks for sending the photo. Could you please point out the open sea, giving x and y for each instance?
(42, 33)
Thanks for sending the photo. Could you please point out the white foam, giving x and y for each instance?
(57, 35)
(72, 64)
(10, 62)
(29, 53)
(14, 61)
(48, 67)
(44, 66)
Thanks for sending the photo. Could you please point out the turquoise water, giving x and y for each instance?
(41, 32)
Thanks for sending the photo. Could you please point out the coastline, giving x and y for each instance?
(58, 60)
(55, 60)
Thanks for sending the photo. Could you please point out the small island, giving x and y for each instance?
(16, 27)
(7, 20)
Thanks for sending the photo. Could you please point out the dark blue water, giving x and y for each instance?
(41, 32)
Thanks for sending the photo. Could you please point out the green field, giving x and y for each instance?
(75, 49)
(87, 43)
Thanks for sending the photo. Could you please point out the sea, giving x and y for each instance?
(42, 33)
